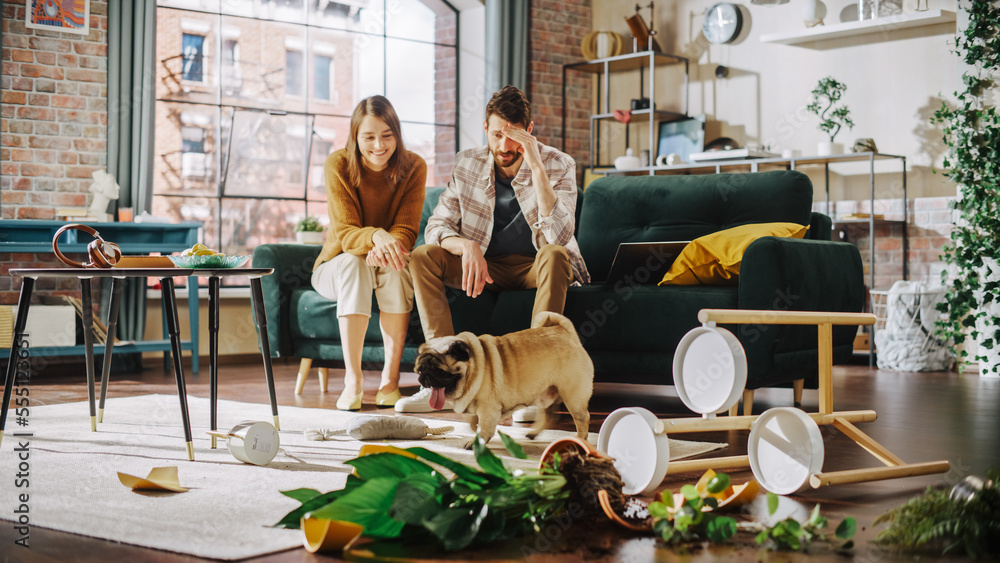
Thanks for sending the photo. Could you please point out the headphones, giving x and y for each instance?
(102, 254)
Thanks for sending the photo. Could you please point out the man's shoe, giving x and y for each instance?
(526, 414)
(421, 402)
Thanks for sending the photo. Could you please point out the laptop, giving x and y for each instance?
(643, 263)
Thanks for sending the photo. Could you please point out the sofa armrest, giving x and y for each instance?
(785, 274)
(820, 227)
(293, 264)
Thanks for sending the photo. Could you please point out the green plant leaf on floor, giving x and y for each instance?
(456, 527)
(488, 460)
(460, 470)
(387, 464)
(367, 505)
(416, 498)
(302, 495)
(513, 447)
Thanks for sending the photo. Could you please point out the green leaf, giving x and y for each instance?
(718, 484)
(690, 492)
(302, 495)
(668, 498)
(513, 447)
(814, 517)
(657, 510)
(772, 503)
(846, 528)
(463, 471)
(416, 499)
(457, 527)
(663, 529)
(387, 464)
(368, 505)
(293, 519)
(487, 460)
(720, 528)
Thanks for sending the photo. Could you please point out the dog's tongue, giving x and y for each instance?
(437, 398)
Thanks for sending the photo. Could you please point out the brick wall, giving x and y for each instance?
(54, 117)
(555, 29)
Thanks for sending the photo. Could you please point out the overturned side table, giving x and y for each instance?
(165, 275)
(785, 450)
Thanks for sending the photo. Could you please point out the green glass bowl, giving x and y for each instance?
(215, 261)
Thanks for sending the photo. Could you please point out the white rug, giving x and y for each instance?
(227, 513)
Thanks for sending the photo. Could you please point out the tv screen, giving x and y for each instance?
(682, 137)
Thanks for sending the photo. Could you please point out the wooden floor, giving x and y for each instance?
(922, 417)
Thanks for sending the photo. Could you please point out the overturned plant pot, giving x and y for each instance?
(589, 474)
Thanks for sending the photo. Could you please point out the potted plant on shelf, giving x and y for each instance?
(972, 133)
(825, 96)
(309, 231)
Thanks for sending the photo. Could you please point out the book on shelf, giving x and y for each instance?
(856, 216)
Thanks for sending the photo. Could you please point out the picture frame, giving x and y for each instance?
(67, 16)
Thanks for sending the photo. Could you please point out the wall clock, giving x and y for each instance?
(723, 22)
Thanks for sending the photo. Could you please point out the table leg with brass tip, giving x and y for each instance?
(87, 316)
(173, 327)
(117, 284)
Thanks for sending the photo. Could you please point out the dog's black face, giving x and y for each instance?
(442, 364)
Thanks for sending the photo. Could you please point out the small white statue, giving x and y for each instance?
(105, 189)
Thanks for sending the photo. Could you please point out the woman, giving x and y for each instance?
(375, 194)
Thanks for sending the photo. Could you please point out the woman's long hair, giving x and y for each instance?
(379, 107)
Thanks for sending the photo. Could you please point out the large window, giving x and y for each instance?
(253, 96)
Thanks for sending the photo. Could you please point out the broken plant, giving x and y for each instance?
(403, 496)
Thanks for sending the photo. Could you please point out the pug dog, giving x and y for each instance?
(488, 377)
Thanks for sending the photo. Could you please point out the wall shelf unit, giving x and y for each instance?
(644, 61)
(882, 26)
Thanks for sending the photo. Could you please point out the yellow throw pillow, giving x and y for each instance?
(715, 259)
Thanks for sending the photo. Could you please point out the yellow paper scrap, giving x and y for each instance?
(159, 479)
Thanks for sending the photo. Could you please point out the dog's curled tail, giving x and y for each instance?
(548, 318)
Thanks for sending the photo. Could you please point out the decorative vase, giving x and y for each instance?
(827, 148)
(813, 13)
(309, 237)
(628, 161)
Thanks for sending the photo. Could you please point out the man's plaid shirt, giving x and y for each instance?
(465, 208)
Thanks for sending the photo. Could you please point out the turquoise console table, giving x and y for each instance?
(29, 235)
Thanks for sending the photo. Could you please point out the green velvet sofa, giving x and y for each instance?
(631, 332)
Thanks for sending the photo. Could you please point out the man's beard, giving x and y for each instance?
(497, 158)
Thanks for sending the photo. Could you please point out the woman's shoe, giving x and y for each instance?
(348, 402)
(387, 399)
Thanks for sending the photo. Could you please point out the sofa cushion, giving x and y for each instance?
(715, 259)
(657, 208)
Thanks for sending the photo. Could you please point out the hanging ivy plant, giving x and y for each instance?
(972, 133)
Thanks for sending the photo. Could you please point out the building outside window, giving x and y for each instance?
(253, 96)
(321, 77)
(293, 73)
(193, 53)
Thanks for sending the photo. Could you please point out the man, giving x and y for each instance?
(505, 221)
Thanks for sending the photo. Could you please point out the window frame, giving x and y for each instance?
(215, 197)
